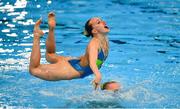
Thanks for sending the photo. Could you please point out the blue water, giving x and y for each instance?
(144, 53)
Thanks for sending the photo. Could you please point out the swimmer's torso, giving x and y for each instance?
(103, 47)
(82, 64)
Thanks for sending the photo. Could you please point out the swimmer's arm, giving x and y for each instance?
(93, 55)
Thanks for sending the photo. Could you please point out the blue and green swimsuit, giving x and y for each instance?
(75, 63)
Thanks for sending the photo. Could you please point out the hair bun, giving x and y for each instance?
(86, 33)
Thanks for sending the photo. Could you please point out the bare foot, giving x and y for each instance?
(51, 20)
(37, 31)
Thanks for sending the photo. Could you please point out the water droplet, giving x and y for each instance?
(25, 31)
(38, 6)
(12, 35)
(49, 2)
(5, 30)
(13, 13)
(10, 25)
(19, 18)
(5, 23)
(4, 18)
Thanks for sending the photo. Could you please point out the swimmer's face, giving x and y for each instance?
(98, 26)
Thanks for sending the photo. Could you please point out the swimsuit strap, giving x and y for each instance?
(101, 55)
(99, 63)
(101, 58)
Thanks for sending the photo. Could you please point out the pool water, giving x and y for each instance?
(144, 53)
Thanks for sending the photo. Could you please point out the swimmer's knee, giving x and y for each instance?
(47, 56)
(33, 71)
(51, 57)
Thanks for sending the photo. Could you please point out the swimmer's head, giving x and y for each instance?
(111, 86)
(95, 26)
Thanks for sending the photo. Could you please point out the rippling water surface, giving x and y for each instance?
(144, 53)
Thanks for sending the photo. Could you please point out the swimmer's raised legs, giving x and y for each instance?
(50, 42)
(59, 69)
(35, 54)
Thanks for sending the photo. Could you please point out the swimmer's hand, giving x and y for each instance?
(95, 85)
(96, 82)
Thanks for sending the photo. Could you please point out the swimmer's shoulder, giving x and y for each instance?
(94, 43)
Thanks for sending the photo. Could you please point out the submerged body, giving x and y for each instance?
(111, 86)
